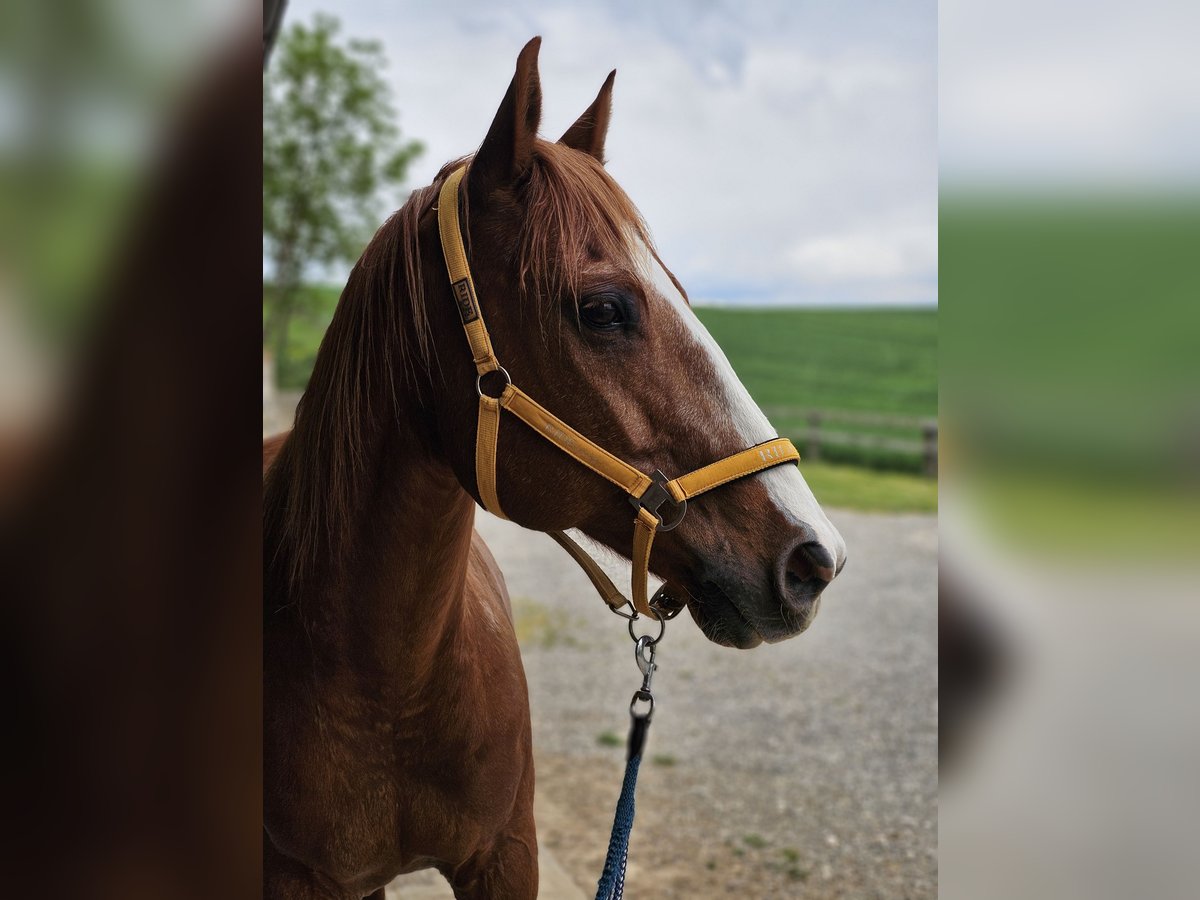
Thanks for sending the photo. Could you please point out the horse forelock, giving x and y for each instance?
(575, 214)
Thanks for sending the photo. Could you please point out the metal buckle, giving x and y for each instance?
(655, 496)
(665, 605)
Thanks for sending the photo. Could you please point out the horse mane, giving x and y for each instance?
(380, 334)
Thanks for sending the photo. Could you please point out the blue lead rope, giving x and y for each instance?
(612, 880)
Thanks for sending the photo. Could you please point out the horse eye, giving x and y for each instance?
(601, 313)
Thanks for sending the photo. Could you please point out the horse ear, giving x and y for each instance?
(507, 152)
(590, 129)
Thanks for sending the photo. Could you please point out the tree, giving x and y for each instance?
(331, 146)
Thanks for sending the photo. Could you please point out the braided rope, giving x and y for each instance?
(612, 880)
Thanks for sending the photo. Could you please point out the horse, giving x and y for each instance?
(396, 716)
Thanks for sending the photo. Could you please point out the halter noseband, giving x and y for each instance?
(647, 493)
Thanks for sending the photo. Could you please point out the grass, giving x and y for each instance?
(880, 361)
(852, 361)
(852, 487)
(788, 864)
(797, 873)
(608, 739)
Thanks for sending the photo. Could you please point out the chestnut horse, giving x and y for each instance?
(397, 733)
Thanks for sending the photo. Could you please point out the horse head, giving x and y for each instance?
(588, 321)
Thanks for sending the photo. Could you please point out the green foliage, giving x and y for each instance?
(331, 148)
(317, 301)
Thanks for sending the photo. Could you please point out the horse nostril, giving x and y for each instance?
(808, 560)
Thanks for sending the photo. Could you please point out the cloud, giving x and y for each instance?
(769, 145)
(849, 258)
(1071, 92)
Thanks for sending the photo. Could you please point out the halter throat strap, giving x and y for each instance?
(660, 503)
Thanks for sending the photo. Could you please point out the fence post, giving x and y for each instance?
(813, 450)
(929, 431)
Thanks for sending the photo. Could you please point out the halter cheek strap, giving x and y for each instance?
(660, 503)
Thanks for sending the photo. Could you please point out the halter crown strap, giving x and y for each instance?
(460, 275)
(647, 494)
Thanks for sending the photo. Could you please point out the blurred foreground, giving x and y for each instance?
(1070, 397)
(129, 482)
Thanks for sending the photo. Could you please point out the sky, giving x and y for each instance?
(783, 153)
(1099, 94)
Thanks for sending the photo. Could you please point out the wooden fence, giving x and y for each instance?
(815, 432)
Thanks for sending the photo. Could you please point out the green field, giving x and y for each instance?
(872, 361)
(863, 360)
(868, 360)
(855, 487)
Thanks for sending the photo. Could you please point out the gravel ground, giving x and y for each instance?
(803, 769)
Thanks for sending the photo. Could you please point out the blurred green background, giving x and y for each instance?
(1070, 371)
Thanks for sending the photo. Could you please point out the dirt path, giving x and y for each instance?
(804, 769)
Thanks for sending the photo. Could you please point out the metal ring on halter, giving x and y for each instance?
(662, 626)
(479, 382)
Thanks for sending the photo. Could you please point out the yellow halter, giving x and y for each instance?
(647, 493)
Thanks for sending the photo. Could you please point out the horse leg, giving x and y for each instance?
(286, 879)
(509, 868)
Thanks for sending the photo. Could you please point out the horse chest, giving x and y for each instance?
(377, 786)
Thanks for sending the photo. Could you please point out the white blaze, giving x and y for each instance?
(785, 485)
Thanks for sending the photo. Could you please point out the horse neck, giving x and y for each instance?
(401, 595)
(393, 592)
